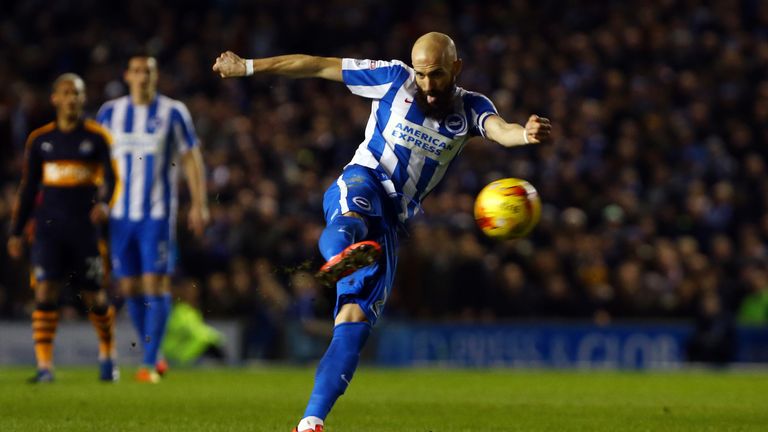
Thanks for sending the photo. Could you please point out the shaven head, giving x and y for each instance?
(433, 49)
(434, 59)
(68, 96)
(71, 77)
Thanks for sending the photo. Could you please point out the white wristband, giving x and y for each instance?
(248, 67)
(525, 136)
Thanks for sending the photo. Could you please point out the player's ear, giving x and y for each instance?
(54, 97)
(456, 69)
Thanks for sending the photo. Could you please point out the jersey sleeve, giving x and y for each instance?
(371, 78)
(30, 183)
(182, 128)
(480, 109)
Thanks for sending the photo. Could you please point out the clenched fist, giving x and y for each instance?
(537, 129)
(229, 65)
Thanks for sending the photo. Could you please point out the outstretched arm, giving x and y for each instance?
(536, 130)
(229, 65)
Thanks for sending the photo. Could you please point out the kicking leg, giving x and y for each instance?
(355, 209)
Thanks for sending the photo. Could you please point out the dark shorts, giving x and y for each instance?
(68, 253)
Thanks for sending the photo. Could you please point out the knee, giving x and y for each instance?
(46, 292)
(354, 215)
(350, 313)
(94, 300)
(130, 286)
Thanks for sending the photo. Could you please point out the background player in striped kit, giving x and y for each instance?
(420, 121)
(67, 170)
(152, 132)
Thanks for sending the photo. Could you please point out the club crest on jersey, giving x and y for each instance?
(153, 123)
(455, 123)
(46, 146)
(86, 147)
(362, 203)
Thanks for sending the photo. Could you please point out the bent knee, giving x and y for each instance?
(350, 313)
(354, 215)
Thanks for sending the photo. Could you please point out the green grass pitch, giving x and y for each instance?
(420, 400)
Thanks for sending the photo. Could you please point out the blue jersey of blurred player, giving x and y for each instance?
(151, 134)
(420, 121)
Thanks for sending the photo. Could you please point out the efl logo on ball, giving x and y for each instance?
(507, 208)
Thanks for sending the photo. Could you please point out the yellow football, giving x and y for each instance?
(507, 208)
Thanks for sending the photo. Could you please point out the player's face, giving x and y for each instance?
(436, 87)
(68, 98)
(141, 76)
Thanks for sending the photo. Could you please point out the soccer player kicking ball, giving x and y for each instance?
(152, 133)
(420, 121)
(68, 165)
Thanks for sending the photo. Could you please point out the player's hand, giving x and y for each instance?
(15, 247)
(99, 213)
(229, 65)
(198, 219)
(537, 129)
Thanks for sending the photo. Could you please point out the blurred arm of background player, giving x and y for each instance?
(194, 171)
(230, 65)
(25, 200)
(100, 211)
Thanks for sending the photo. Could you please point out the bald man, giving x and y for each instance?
(420, 121)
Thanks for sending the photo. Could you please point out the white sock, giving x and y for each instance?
(309, 423)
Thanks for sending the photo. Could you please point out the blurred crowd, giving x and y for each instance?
(655, 185)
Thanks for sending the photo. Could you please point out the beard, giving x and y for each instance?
(443, 104)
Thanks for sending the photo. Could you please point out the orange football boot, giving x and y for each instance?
(350, 260)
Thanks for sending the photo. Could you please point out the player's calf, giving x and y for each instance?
(45, 320)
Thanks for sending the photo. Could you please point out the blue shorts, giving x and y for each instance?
(68, 253)
(141, 247)
(359, 189)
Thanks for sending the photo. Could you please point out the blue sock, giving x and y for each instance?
(137, 311)
(337, 367)
(340, 233)
(159, 306)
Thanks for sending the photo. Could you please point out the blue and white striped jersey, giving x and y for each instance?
(412, 151)
(147, 142)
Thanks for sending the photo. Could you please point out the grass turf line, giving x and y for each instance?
(273, 399)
